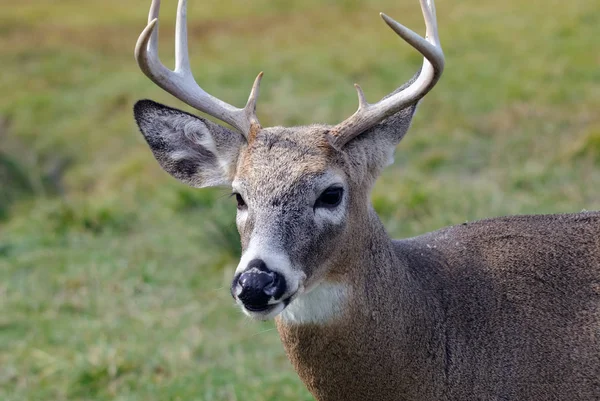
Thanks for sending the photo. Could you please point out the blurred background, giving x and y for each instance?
(114, 277)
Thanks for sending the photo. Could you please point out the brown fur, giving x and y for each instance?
(500, 309)
(254, 130)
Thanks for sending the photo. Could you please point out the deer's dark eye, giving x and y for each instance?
(241, 204)
(330, 198)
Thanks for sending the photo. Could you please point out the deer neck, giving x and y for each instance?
(335, 334)
(365, 251)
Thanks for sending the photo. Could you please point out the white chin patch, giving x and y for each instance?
(322, 305)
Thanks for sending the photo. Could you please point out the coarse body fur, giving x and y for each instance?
(499, 309)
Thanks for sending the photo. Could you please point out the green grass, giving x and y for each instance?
(114, 277)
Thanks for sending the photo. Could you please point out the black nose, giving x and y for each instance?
(257, 285)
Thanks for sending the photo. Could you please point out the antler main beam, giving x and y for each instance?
(180, 82)
(369, 115)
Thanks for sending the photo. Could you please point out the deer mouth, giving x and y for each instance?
(267, 311)
(258, 308)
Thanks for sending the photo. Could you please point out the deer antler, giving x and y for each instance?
(369, 115)
(181, 83)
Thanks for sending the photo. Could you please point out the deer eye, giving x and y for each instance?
(241, 204)
(330, 198)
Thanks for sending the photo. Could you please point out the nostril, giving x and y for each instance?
(256, 287)
(258, 280)
(272, 288)
(251, 287)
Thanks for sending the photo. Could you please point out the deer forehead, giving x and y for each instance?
(279, 159)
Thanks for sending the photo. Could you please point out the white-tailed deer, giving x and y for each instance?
(500, 309)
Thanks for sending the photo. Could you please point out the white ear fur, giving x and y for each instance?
(193, 150)
(390, 159)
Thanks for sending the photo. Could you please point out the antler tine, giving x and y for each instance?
(250, 107)
(369, 115)
(153, 15)
(180, 82)
(182, 59)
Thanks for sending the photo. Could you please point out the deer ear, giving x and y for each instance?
(193, 150)
(379, 142)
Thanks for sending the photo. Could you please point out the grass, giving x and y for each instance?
(114, 278)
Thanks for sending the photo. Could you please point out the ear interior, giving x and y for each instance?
(194, 150)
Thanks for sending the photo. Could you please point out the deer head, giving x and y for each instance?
(303, 192)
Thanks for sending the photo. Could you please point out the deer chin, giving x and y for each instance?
(267, 312)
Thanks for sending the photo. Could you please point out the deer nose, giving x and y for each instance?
(258, 285)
